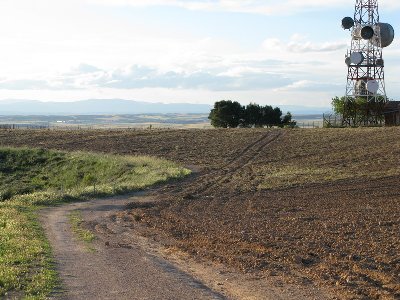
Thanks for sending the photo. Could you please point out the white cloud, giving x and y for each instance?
(139, 77)
(296, 86)
(314, 47)
(299, 44)
(310, 86)
(266, 7)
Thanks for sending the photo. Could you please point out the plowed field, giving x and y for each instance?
(319, 206)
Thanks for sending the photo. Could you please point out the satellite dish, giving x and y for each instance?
(380, 62)
(367, 32)
(347, 23)
(356, 58)
(386, 33)
(372, 86)
(348, 61)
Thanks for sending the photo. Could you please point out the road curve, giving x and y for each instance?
(116, 267)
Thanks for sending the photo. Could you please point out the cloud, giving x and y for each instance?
(233, 79)
(23, 84)
(308, 85)
(139, 77)
(85, 68)
(298, 44)
(267, 7)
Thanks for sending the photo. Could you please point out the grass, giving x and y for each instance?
(34, 171)
(294, 175)
(329, 155)
(25, 255)
(34, 178)
(76, 220)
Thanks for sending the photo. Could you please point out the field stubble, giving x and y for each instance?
(319, 206)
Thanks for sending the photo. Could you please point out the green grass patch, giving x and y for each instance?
(30, 171)
(34, 178)
(25, 255)
(76, 220)
(291, 175)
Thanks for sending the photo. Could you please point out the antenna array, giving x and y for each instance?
(365, 76)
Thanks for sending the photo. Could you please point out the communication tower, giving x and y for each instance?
(365, 77)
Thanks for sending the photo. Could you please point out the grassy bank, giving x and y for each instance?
(33, 178)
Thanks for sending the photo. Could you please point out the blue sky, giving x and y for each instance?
(269, 52)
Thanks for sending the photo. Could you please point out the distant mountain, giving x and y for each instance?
(304, 110)
(119, 106)
(96, 107)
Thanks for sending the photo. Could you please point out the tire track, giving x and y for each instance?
(206, 182)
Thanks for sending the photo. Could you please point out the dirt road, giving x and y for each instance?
(122, 264)
(114, 266)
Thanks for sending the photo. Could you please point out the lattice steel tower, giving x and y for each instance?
(365, 77)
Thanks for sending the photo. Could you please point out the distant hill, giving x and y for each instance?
(297, 110)
(97, 107)
(119, 106)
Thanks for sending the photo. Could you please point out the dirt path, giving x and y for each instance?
(122, 264)
(114, 266)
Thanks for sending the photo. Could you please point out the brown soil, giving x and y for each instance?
(313, 206)
(116, 265)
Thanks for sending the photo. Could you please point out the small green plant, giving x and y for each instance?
(76, 220)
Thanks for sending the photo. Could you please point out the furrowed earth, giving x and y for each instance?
(314, 206)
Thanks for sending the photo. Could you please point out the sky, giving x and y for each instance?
(285, 52)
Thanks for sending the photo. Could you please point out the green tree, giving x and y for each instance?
(271, 116)
(253, 116)
(338, 105)
(287, 120)
(226, 114)
(359, 111)
(229, 114)
(277, 115)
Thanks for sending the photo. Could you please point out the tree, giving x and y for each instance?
(253, 116)
(226, 114)
(270, 116)
(338, 105)
(359, 111)
(287, 120)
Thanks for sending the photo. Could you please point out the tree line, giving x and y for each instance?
(231, 114)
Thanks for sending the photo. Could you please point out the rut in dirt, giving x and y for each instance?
(208, 181)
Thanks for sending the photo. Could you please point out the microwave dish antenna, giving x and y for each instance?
(364, 62)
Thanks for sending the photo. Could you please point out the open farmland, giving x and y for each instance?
(319, 206)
